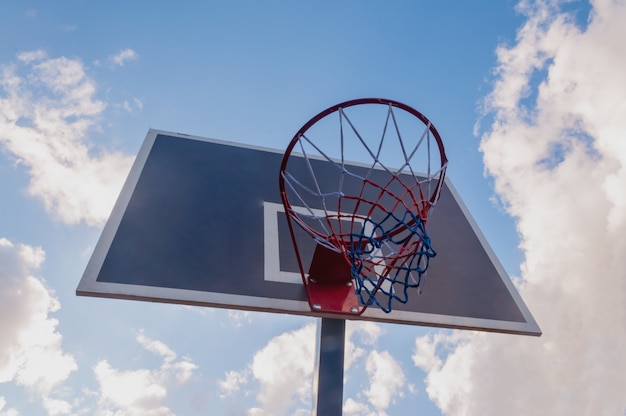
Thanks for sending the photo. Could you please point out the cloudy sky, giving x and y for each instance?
(529, 96)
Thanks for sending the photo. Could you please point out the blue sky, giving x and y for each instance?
(528, 96)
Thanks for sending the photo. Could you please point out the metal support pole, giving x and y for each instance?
(330, 367)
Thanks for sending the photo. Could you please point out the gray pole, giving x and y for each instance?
(330, 368)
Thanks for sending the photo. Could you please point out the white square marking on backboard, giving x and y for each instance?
(272, 271)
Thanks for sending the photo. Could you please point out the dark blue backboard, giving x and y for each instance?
(200, 222)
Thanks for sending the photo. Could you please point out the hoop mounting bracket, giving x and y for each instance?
(329, 284)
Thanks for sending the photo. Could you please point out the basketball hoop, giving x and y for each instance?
(369, 224)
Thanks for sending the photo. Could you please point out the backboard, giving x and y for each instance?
(200, 222)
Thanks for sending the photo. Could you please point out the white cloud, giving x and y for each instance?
(6, 412)
(367, 332)
(387, 379)
(557, 151)
(47, 108)
(138, 103)
(233, 382)
(359, 332)
(431, 351)
(30, 56)
(353, 408)
(31, 354)
(136, 391)
(282, 373)
(284, 369)
(141, 391)
(131, 107)
(156, 347)
(124, 56)
(238, 318)
(56, 407)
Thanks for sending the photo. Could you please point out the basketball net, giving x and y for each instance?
(368, 176)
